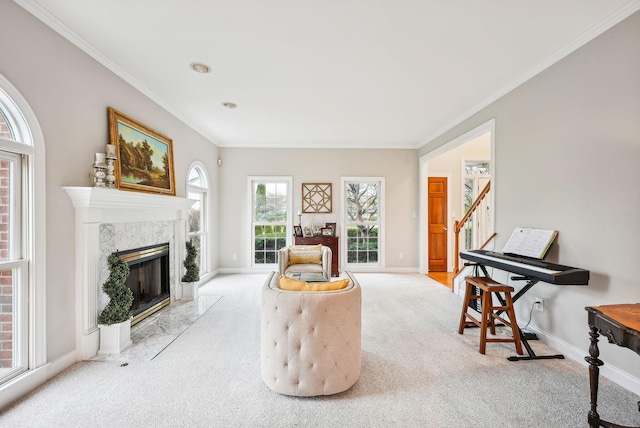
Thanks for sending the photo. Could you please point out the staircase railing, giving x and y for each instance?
(459, 224)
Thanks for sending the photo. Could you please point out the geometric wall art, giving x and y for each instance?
(316, 198)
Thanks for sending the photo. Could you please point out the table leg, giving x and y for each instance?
(594, 371)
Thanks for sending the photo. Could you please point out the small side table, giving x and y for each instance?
(621, 325)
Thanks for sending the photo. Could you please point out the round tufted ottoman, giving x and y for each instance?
(311, 341)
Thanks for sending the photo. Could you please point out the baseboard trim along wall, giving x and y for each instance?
(612, 373)
(27, 382)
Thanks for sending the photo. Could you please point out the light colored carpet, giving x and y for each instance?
(417, 371)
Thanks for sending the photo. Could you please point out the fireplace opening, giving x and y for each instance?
(148, 279)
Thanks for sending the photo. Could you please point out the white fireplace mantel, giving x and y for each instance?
(133, 206)
(97, 206)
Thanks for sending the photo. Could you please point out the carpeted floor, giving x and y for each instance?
(417, 371)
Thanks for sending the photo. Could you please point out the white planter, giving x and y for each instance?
(115, 338)
(189, 290)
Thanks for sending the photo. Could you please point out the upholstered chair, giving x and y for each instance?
(305, 258)
(310, 340)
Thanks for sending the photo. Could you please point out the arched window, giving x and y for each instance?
(22, 300)
(198, 223)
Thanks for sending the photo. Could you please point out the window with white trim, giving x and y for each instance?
(475, 176)
(16, 323)
(271, 205)
(197, 227)
(362, 219)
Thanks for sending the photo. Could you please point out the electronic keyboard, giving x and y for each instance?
(534, 269)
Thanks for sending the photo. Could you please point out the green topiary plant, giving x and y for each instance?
(193, 271)
(120, 296)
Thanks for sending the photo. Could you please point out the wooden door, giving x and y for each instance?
(437, 200)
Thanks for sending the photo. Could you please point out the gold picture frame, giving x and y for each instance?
(316, 198)
(145, 157)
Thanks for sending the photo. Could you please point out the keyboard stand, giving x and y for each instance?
(529, 336)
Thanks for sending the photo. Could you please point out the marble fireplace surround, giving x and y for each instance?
(108, 220)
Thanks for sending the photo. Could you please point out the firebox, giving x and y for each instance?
(148, 279)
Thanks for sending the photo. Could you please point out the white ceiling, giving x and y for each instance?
(331, 73)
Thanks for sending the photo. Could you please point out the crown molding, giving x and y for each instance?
(35, 9)
(624, 11)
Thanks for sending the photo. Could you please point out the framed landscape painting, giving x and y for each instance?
(145, 157)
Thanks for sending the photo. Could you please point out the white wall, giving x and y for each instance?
(69, 93)
(399, 167)
(566, 158)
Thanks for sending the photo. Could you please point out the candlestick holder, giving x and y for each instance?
(99, 174)
(110, 176)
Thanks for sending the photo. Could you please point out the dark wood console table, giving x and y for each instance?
(621, 325)
(327, 241)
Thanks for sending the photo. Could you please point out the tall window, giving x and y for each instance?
(198, 189)
(477, 173)
(363, 220)
(16, 323)
(270, 217)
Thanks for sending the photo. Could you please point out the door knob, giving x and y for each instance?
(444, 228)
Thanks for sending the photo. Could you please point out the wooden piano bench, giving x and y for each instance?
(490, 311)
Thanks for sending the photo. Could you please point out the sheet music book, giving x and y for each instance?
(530, 242)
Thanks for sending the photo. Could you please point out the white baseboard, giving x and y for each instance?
(246, 270)
(27, 382)
(23, 384)
(206, 277)
(62, 363)
(612, 373)
(373, 269)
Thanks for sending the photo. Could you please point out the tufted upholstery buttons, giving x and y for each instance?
(310, 341)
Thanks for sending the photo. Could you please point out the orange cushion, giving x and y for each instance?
(291, 284)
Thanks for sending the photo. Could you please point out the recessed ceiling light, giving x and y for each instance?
(200, 67)
(229, 105)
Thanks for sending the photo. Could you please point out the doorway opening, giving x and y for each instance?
(467, 163)
(477, 229)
